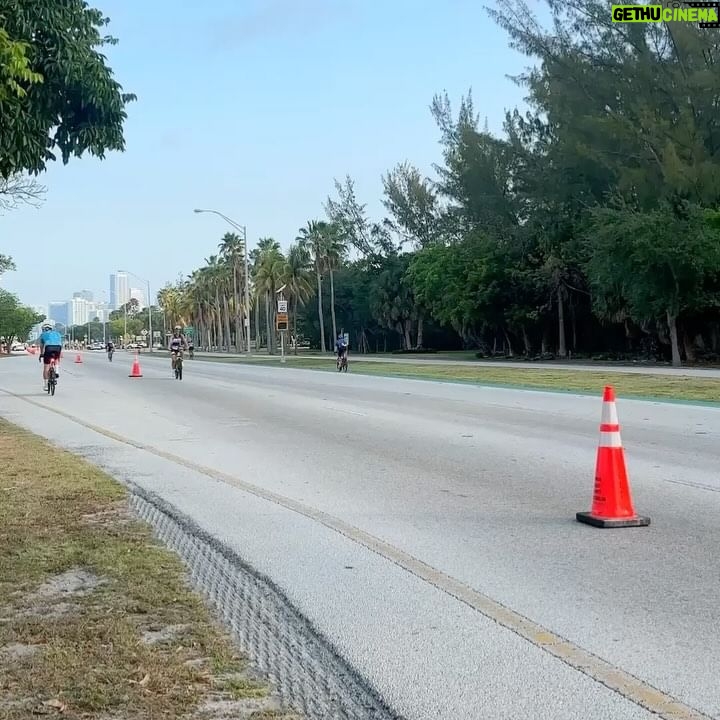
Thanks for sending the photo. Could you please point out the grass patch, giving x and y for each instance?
(696, 389)
(97, 620)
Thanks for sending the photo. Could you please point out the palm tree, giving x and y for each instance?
(335, 251)
(298, 279)
(313, 238)
(269, 266)
(232, 251)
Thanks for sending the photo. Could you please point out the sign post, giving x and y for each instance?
(282, 325)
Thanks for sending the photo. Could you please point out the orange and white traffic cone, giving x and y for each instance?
(612, 504)
(78, 359)
(135, 372)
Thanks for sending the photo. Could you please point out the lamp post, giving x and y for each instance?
(149, 301)
(243, 230)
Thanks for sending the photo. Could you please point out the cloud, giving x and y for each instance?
(274, 18)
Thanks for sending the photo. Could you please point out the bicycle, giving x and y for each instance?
(342, 363)
(178, 365)
(110, 354)
(52, 377)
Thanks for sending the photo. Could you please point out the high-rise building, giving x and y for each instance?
(119, 290)
(84, 294)
(78, 311)
(58, 312)
(139, 295)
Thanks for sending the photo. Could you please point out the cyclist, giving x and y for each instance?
(191, 347)
(340, 347)
(50, 342)
(178, 342)
(110, 349)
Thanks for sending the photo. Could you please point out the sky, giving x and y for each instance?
(252, 108)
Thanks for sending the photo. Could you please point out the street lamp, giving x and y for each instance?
(243, 230)
(149, 301)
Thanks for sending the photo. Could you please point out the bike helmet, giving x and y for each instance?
(47, 325)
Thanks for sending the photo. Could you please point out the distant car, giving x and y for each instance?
(97, 346)
(17, 347)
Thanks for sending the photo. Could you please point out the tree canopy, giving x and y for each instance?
(588, 226)
(58, 95)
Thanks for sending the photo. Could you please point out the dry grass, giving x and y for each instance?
(96, 618)
(584, 381)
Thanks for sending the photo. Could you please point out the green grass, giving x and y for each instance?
(59, 514)
(695, 389)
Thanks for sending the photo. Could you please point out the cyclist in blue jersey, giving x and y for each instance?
(50, 347)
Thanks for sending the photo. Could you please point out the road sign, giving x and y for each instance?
(143, 333)
(282, 321)
(282, 307)
(190, 331)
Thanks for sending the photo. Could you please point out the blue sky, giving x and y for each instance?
(252, 107)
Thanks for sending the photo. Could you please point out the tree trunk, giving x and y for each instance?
(562, 346)
(258, 332)
(238, 324)
(675, 348)
(689, 347)
(295, 311)
(270, 343)
(420, 330)
(408, 339)
(509, 344)
(332, 304)
(227, 321)
(526, 342)
(323, 347)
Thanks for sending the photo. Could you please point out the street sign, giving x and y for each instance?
(282, 321)
(190, 331)
(282, 307)
(144, 333)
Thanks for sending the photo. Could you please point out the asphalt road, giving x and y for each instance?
(338, 487)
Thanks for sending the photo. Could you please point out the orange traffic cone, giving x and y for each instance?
(78, 359)
(612, 504)
(135, 372)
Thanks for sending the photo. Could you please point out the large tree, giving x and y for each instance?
(57, 92)
(16, 320)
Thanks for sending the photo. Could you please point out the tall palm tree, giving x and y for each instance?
(335, 252)
(269, 266)
(232, 252)
(313, 237)
(298, 279)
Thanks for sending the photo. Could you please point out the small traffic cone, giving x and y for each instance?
(78, 359)
(612, 504)
(135, 372)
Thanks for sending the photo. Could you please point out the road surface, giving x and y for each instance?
(428, 529)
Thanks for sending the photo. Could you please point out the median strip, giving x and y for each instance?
(653, 387)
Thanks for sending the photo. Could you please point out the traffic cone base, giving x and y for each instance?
(135, 372)
(78, 359)
(612, 505)
(601, 522)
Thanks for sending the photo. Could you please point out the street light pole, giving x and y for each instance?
(149, 301)
(243, 230)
